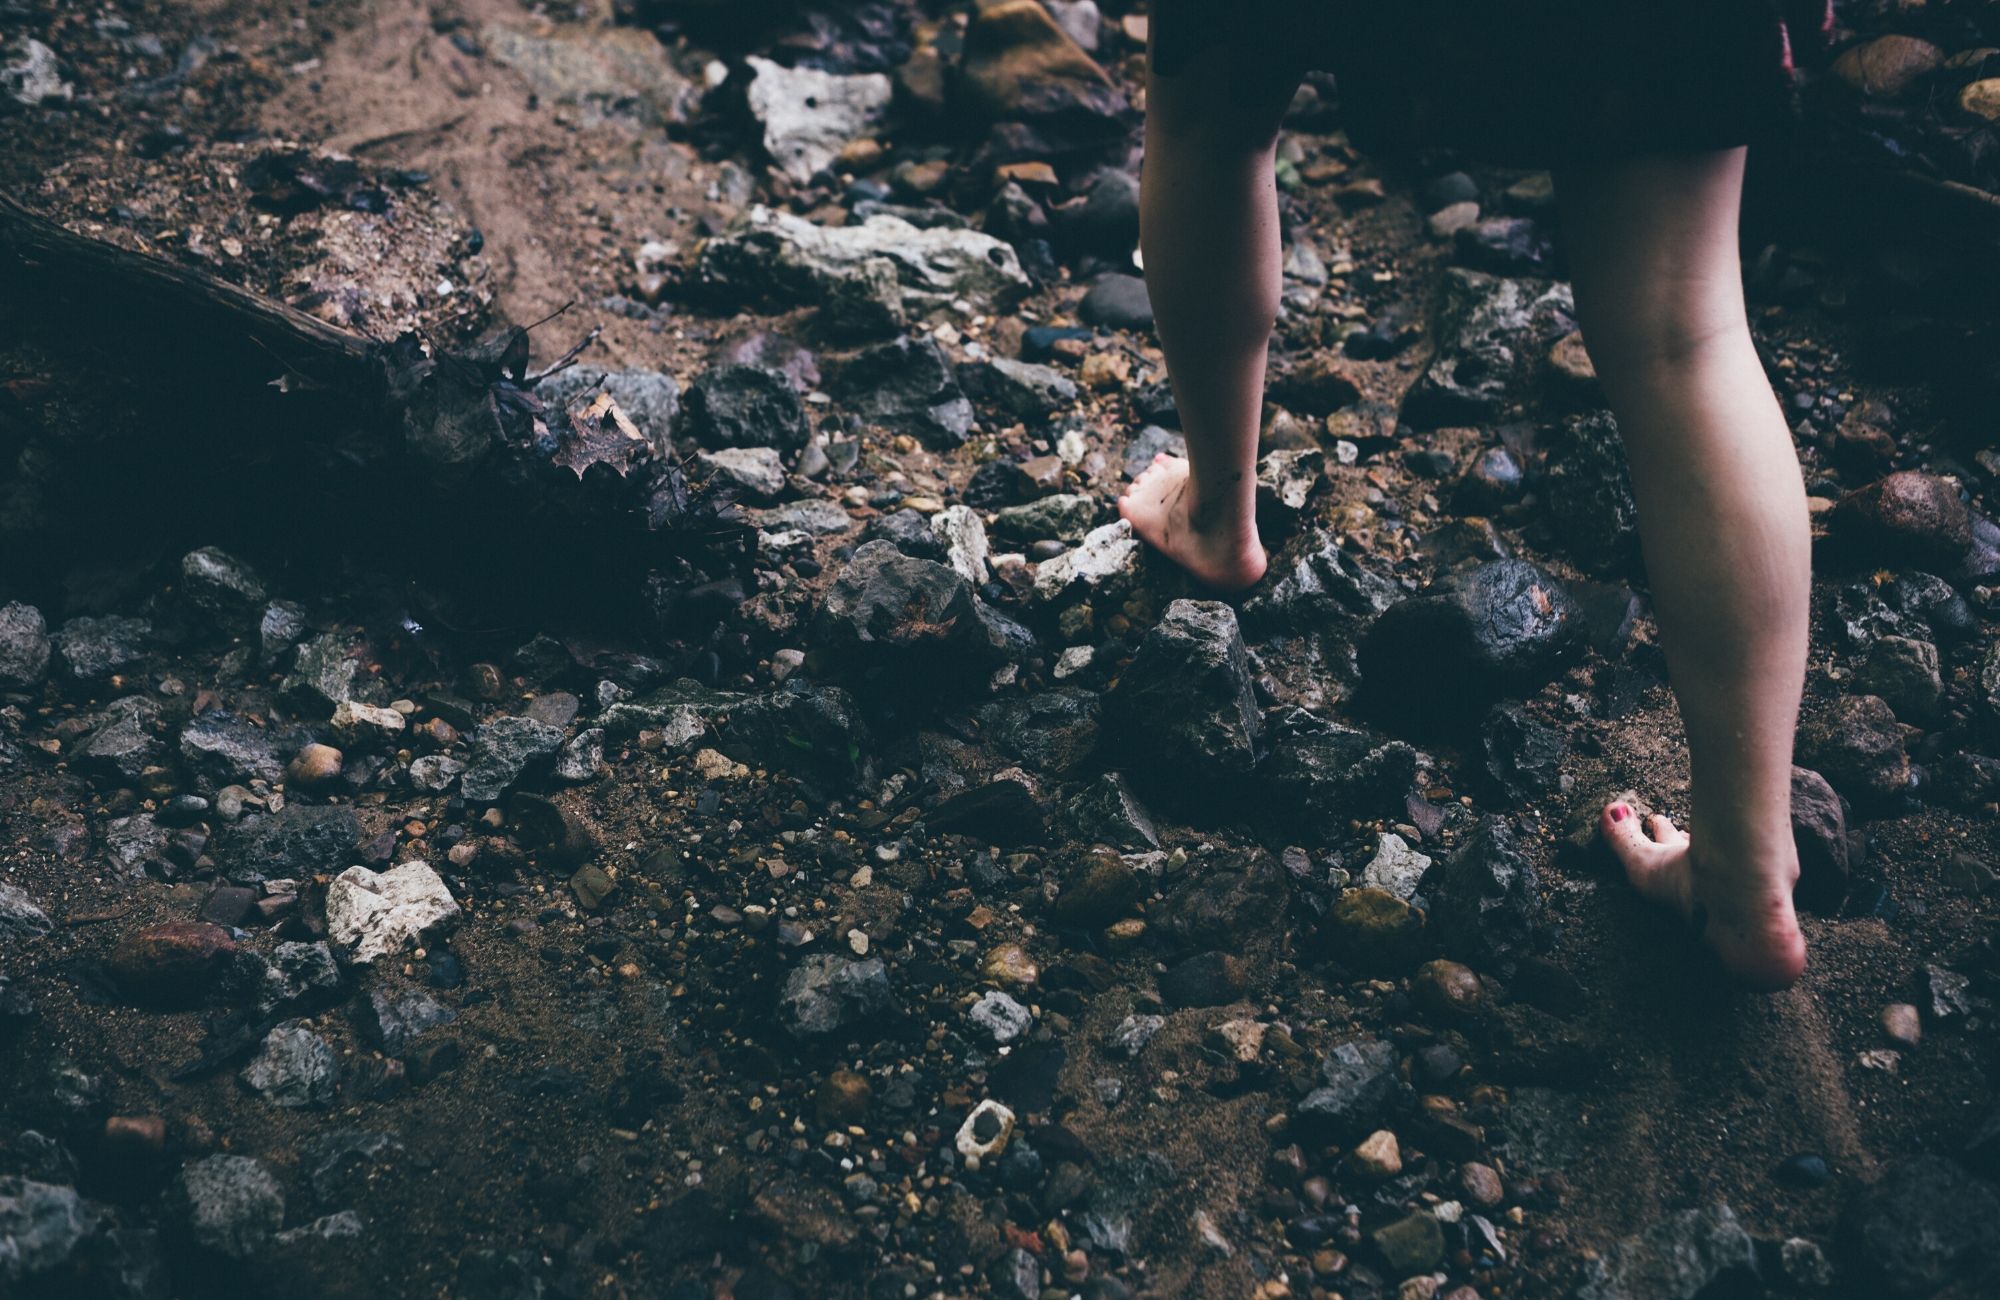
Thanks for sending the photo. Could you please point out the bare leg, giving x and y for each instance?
(1209, 229)
(1722, 514)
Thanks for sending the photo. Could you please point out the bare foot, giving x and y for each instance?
(1742, 910)
(1223, 555)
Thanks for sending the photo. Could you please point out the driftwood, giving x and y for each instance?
(464, 427)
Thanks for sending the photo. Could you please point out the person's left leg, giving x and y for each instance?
(1209, 231)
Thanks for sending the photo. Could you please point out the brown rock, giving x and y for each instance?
(1449, 989)
(1376, 1156)
(314, 765)
(1902, 1024)
(1373, 930)
(1481, 1184)
(1909, 515)
(170, 964)
(1856, 744)
(1020, 63)
(1888, 67)
(1096, 891)
(1981, 99)
(1572, 370)
(843, 1099)
(136, 1134)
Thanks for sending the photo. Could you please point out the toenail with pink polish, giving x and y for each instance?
(1619, 812)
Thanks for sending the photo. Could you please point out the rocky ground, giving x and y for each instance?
(899, 884)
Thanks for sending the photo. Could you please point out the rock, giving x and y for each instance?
(1412, 1244)
(1888, 67)
(1372, 930)
(394, 1018)
(313, 766)
(1523, 758)
(892, 268)
(503, 752)
(756, 473)
(92, 649)
(24, 645)
(1020, 65)
(137, 844)
(1065, 516)
(616, 73)
(911, 533)
(367, 726)
(1902, 1024)
(171, 964)
(1207, 979)
(1360, 1089)
(582, 758)
(1132, 1034)
(592, 885)
(223, 749)
(1481, 1185)
(1448, 989)
(1909, 516)
(1981, 99)
(1924, 1224)
(1117, 302)
(1803, 1170)
(222, 586)
(1019, 390)
(1322, 589)
(814, 732)
(809, 116)
(122, 745)
(906, 386)
(1677, 1258)
(1489, 331)
(42, 1228)
(230, 1205)
(1947, 993)
(1106, 811)
(1097, 888)
(1502, 628)
(984, 1133)
(895, 613)
(1588, 491)
(1321, 774)
(1396, 867)
(1285, 481)
(1506, 246)
(379, 914)
(825, 994)
(1855, 743)
(1904, 673)
(1486, 900)
(963, 540)
(1826, 849)
(746, 406)
(32, 75)
(20, 919)
(281, 627)
(297, 841)
(299, 978)
(295, 1069)
(650, 398)
(1186, 698)
(324, 673)
(1106, 563)
(1376, 1156)
(1000, 1017)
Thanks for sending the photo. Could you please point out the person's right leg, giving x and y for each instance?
(1722, 517)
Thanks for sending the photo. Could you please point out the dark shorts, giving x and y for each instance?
(1525, 82)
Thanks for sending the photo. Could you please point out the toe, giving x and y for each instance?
(1665, 832)
(1621, 830)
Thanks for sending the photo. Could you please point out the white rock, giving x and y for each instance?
(964, 538)
(758, 471)
(375, 914)
(932, 266)
(992, 1119)
(1003, 1019)
(809, 115)
(30, 77)
(1107, 561)
(1074, 660)
(354, 722)
(1396, 866)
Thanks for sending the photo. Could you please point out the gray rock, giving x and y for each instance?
(1360, 1089)
(296, 842)
(815, 517)
(1286, 479)
(1000, 1017)
(41, 1228)
(218, 584)
(92, 649)
(1588, 492)
(1856, 744)
(32, 76)
(342, 1225)
(1107, 812)
(1019, 390)
(808, 116)
(231, 1205)
(1186, 700)
(1903, 671)
(394, 1018)
(434, 773)
(756, 473)
(1486, 899)
(825, 994)
(1472, 636)
(892, 612)
(682, 710)
(963, 537)
(746, 406)
(583, 757)
(1827, 849)
(24, 645)
(20, 919)
(295, 1069)
(1054, 730)
(651, 399)
(1677, 1258)
(1105, 564)
(1396, 867)
(814, 732)
(906, 386)
(1064, 516)
(1490, 332)
(503, 751)
(619, 74)
(1134, 1032)
(123, 744)
(324, 673)
(775, 256)
(1149, 442)
(299, 977)
(1118, 302)
(281, 627)
(223, 749)
(1323, 588)
(135, 844)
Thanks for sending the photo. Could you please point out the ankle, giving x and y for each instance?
(1228, 516)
